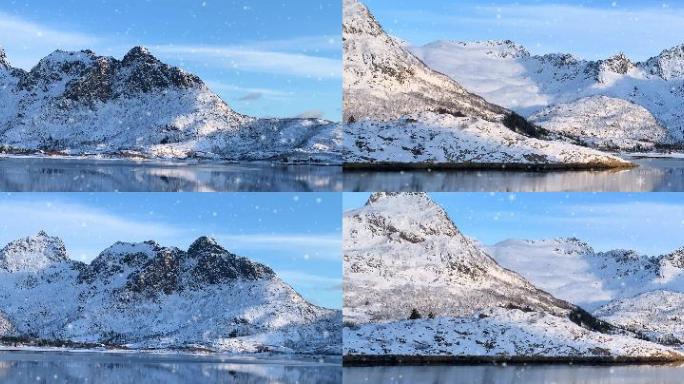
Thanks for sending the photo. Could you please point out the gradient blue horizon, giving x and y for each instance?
(263, 58)
(650, 223)
(588, 29)
(298, 235)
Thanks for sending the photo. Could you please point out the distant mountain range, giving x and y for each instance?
(400, 112)
(644, 294)
(147, 296)
(79, 103)
(417, 289)
(612, 103)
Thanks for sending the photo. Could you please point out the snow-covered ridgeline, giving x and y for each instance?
(146, 296)
(639, 107)
(79, 103)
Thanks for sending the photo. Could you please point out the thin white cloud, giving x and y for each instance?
(301, 44)
(592, 32)
(251, 59)
(311, 246)
(26, 42)
(85, 230)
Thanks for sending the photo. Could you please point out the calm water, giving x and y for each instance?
(75, 175)
(515, 375)
(101, 368)
(665, 174)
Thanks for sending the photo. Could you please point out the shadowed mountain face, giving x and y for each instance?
(79, 103)
(133, 293)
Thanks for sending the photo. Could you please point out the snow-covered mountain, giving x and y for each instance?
(415, 285)
(79, 103)
(146, 296)
(399, 111)
(570, 269)
(642, 294)
(507, 74)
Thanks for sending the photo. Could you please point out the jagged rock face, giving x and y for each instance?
(134, 292)
(33, 253)
(619, 64)
(669, 65)
(215, 265)
(402, 252)
(383, 81)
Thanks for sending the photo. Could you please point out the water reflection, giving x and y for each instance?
(76, 368)
(653, 175)
(515, 375)
(71, 175)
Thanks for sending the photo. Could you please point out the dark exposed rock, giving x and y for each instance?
(216, 265)
(160, 275)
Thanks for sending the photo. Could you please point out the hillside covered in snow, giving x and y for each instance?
(400, 112)
(416, 287)
(640, 293)
(613, 103)
(147, 296)
(79, 103)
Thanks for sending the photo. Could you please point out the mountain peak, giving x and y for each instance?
(618, 63)
(139, 54)
(669, 64)
(33, 253)
(203, 243)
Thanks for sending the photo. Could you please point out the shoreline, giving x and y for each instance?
(409, 360)
(393, 167)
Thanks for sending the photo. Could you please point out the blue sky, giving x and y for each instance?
(264, 57)
(651, 223)
(590, 29)
(298, 235)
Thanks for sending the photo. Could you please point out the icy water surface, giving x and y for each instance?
(105, 368)
(562, 374)
(652, 175)
(19, 174)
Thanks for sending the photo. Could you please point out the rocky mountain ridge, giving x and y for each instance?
(79, 103)
(147, 296)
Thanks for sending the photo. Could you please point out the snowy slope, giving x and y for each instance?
(498, 334)
(507, 74)
(570, 269)
(657, 315)
(604, 122)
(80, 103)
(636, 292)
(400, 111)
(148, 296)
(404, 257)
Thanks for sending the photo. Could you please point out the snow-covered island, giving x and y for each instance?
(81, 104)
(144, 296)
(418, 291)
(401, 113)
